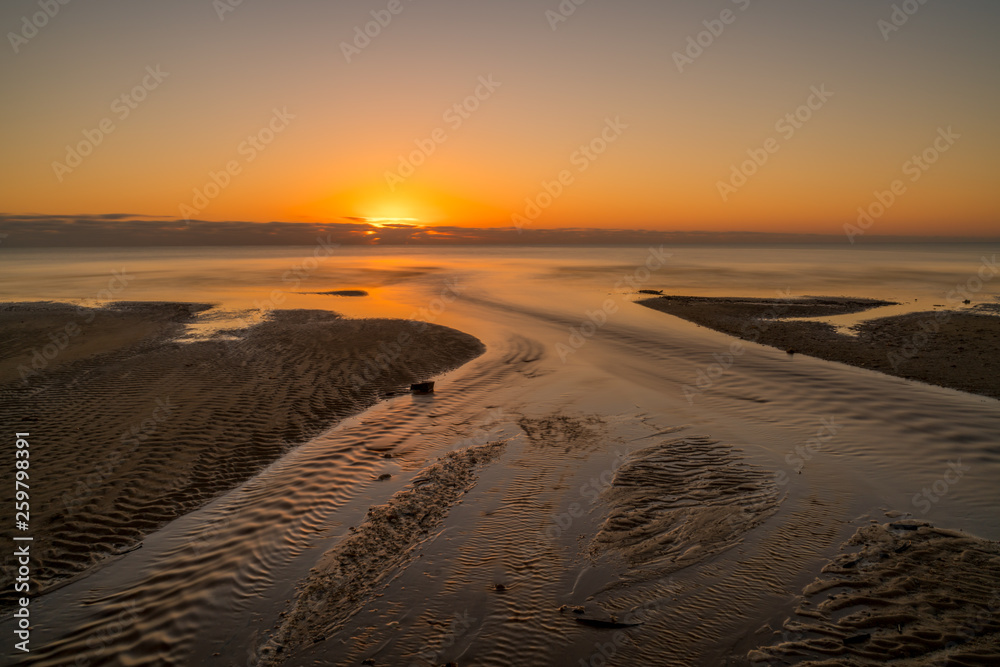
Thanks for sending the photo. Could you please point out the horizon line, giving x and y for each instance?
(131, 230)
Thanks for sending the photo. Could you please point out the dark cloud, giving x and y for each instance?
(123, 230)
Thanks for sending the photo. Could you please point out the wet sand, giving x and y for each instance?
(619, 524)
(130, 428)
(350, 576)
(955, 349)
(905, 592)
(679, 502)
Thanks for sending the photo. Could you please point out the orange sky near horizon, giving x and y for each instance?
(793, 117)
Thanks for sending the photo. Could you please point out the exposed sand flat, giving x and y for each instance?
(348, 576)
(130, 429)
(960, 350)
(737, 310)
(62, 334)
(668, 507)
(680, 501)
(906, 593)
(708, 582)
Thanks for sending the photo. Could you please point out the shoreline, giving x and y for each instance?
(135, 429)
(947, 348)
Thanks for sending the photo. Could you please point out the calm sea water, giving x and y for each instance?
(247, 277)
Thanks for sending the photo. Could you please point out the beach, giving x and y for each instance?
(571, 493)
(904, 591)
(493, 334)
(948, 348)
(141, 429)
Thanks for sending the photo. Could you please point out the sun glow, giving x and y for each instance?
(392, 222)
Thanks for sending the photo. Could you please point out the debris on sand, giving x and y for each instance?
(575, 609)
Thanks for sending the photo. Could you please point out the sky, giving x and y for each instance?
(732, 115)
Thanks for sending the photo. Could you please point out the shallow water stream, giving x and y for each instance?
(206, 588)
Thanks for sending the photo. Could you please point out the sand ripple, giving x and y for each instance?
(348, 576)
(906, 593)
(680, 501)
(148, 429)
